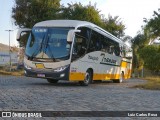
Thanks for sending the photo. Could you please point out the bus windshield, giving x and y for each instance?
(48, 44)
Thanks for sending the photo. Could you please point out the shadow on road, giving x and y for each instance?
(70, 84)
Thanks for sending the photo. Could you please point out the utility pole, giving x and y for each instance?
(9, 50)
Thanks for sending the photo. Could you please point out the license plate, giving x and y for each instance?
(39, 65)
(40, 75)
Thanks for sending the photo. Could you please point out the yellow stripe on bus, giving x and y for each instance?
(77, 76)
(81, 76)
(105, 76)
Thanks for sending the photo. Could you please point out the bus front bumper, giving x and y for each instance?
(48, 74)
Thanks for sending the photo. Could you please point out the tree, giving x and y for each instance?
(152, 27)
(28, 12)
(77, 11)
(114, 25)
(139, 41)
(151, 56)
(90, 13)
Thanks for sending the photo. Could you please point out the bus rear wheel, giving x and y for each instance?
(52, 80)
(120, 80)
(87, 79)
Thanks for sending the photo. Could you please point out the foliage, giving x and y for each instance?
(13, 49)
(28, 12)
(114, 25)
(90, 13)
(79, 12)
(140, 40)
(138, 43)
(153, 83)
(14, 73)
(24, 38)
(151, 56)
(137, 61)
(152, 27)
(149, 32)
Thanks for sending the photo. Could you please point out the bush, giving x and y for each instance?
(151, 56)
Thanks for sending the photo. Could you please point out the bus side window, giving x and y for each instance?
(85, 35)
(117, 49)
(95, 42)
(111, 46)
(105, 45)
(111, 50)
(92, 42)
(80, 46)
(123, 51)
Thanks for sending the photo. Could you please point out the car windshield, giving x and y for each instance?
(48, 44)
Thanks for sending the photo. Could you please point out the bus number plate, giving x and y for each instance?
(40, 75)
(39, 65)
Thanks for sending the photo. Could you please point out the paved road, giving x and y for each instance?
(22, 93)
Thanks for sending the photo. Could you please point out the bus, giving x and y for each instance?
(75, 50)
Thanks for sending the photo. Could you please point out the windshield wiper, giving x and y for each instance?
(39, 49)
(52, 56)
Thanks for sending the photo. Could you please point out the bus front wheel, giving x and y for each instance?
(87, 79)
(52, 80)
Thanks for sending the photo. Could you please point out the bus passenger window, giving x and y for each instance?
(105, 45)
(117, 49)
(111, 50)
(79, 47)
(123, 51)
(95, 42)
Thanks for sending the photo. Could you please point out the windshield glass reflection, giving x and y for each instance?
(48, 44)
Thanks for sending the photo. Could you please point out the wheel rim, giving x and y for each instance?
(121, 78)
(87, 78)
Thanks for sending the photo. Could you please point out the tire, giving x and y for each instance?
(87, 79)
(52, 80)
(97, 81)
(120, 80)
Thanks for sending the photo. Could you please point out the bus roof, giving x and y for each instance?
(76, 24)
(63, 23)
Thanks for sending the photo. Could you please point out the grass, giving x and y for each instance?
(153, 83)
(14, 73)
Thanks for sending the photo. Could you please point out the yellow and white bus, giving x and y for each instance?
(76, 51)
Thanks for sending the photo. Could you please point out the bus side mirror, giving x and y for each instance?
(70, 35)
(20, 31)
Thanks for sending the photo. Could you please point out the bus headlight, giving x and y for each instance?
(27, 67)
(60, 69)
